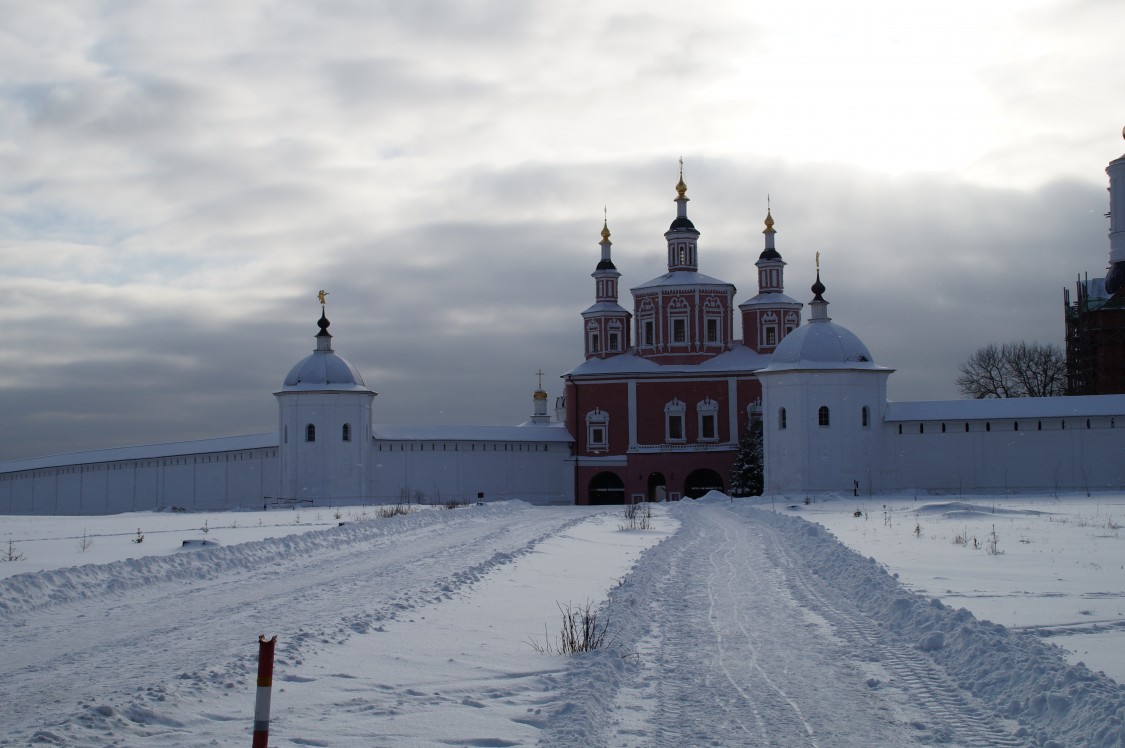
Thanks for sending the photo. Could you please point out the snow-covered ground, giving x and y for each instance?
(729, 623)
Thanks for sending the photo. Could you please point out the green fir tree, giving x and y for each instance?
(748, 471)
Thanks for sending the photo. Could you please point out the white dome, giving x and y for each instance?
(324, 370)
(821, 344)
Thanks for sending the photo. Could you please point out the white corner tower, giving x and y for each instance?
(823, 401)
(325, 427)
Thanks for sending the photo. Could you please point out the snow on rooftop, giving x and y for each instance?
(821, 344)
(145, 452)
(683, 278)
(769, 299)
(1007, 408)
(547, 432)
(738, 359)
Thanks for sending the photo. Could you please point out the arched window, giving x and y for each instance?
(347, 432)
(864, 417)
(310, 433)
(781, 424)
(822, 415)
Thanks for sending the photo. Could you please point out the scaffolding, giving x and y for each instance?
(1095, 339)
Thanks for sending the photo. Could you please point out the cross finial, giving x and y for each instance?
(540, 375)
(818, 262)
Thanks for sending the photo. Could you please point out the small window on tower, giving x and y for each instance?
(649, 331)
(822, 415)
(613, 341)
(310, 433)
(347, 432)
(595, 343)
(781, 419)
(771, 335)
(679, 330)
(683, 255)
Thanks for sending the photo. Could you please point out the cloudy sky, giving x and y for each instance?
(178, 179)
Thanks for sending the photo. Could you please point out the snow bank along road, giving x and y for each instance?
(735, 627)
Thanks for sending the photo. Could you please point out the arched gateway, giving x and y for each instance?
(606, 488)
(701, 481)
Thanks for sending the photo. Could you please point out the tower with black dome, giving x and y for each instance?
(683, 316)
(823, 405)
(324, 434)
(606, 323)
(771, 315)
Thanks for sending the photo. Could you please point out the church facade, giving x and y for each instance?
(667, 389)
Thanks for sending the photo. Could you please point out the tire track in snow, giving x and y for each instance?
(729, 657)
(189, 638)
(960, 717)
(751, 639)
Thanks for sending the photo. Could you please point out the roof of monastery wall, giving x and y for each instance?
(545, 432)
(145, 452)
(1007, 408)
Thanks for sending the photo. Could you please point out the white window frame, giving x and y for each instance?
(674, 410)
(707, 408)
(597, 420)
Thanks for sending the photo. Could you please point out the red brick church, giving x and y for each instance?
(666, 390)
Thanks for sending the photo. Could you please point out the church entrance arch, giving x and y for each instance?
(606, 488)
(701, 481)
(657, 487)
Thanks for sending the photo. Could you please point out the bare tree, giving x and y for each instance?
(1014, 370)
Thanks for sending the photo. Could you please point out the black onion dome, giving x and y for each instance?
(606, 265)
(818, 287)
(770, 254)
(681, 222)
(323, 323)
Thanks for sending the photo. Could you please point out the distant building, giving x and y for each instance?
(1095, 317)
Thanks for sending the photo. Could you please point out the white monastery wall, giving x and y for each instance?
(538, 472)
(1003, 455)
(194, 482)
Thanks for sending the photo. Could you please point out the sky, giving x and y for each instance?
(178, 180)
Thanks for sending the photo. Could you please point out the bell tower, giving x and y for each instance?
(771, 315)
(606, 323)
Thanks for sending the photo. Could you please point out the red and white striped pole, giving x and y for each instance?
(265, 684)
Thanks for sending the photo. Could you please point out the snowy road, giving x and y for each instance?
(730, 626)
